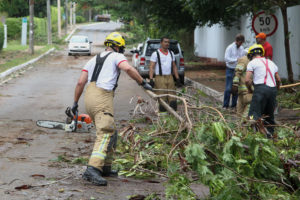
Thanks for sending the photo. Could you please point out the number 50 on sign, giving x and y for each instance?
(266, 23)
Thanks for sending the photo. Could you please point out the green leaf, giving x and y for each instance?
(241, 161)
(219, 131)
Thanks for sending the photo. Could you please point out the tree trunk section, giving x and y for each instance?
(31, 26)
(58, 19)
(71, 14)
(287, 45)
(90, 14)
(66, 17)
(74, 13)
(49, 22)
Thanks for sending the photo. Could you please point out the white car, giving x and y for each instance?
(135, 54)
(79, 44)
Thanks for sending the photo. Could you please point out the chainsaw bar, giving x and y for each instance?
(51, 124)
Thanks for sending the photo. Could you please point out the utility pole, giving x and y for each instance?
(74, 13)
(71, 13)
(49, 22)
(58, 19)
(66, 17)
(31, 27)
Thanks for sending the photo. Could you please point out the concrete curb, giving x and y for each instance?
(72, 32)
(18, 67)
(219, 96)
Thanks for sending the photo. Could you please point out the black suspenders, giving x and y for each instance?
(159, 62)
(98, 68)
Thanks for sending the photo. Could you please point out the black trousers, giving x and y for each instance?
(264, 103)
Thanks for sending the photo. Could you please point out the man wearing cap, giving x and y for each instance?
(261, 39)
(232, 53)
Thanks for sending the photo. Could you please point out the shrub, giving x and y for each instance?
(54, 18)
(14, 28)
(1, 36)
(40, 29)
(80, 19)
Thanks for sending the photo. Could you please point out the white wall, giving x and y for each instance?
(212, 41)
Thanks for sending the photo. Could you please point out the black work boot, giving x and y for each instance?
(107, 171)
(94, 175)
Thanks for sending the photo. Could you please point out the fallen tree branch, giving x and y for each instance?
(169, 109)
(202, 107)
(289, 85)
(151, 172)
(183, 94)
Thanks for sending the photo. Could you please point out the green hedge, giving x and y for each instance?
(80, 19)
(40, 29)
(54, 18)
(1, 36)
(14, 28)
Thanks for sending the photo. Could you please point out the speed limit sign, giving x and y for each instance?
(266, 23)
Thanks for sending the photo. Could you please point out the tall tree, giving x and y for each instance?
(49, 27)
(20, 8)
(58, 19)
(31, 26)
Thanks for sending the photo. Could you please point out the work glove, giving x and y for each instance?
(178, 83)
(146, 85)
(151, 83)
(75, 108)
(234, 90)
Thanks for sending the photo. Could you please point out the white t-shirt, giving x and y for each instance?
(165, 60)
(258, 68)
(110, 70)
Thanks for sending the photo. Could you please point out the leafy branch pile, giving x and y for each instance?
(289, 100)
(232, 160)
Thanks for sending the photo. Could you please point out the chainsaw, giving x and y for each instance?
(74, 123)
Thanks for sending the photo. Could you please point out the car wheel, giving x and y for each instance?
(89, 54)
(69, 54)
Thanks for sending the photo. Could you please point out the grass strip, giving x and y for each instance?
(17, 54)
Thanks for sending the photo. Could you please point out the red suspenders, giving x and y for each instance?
(267, 71)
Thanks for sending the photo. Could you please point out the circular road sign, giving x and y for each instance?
(266, 23)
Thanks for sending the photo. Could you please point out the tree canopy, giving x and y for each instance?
(20, 8)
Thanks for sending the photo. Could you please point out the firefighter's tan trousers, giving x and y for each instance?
(243, 104)
(99, 106)
(165, 82)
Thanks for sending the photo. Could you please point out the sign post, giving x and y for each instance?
(266, 23)
(24, 31)
(5, 36)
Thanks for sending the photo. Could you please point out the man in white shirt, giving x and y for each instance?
(102, 73)
(266, 81)
(232, 53)
(162, 63)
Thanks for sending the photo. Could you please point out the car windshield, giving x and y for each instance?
(79, 40)
(153, 46)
